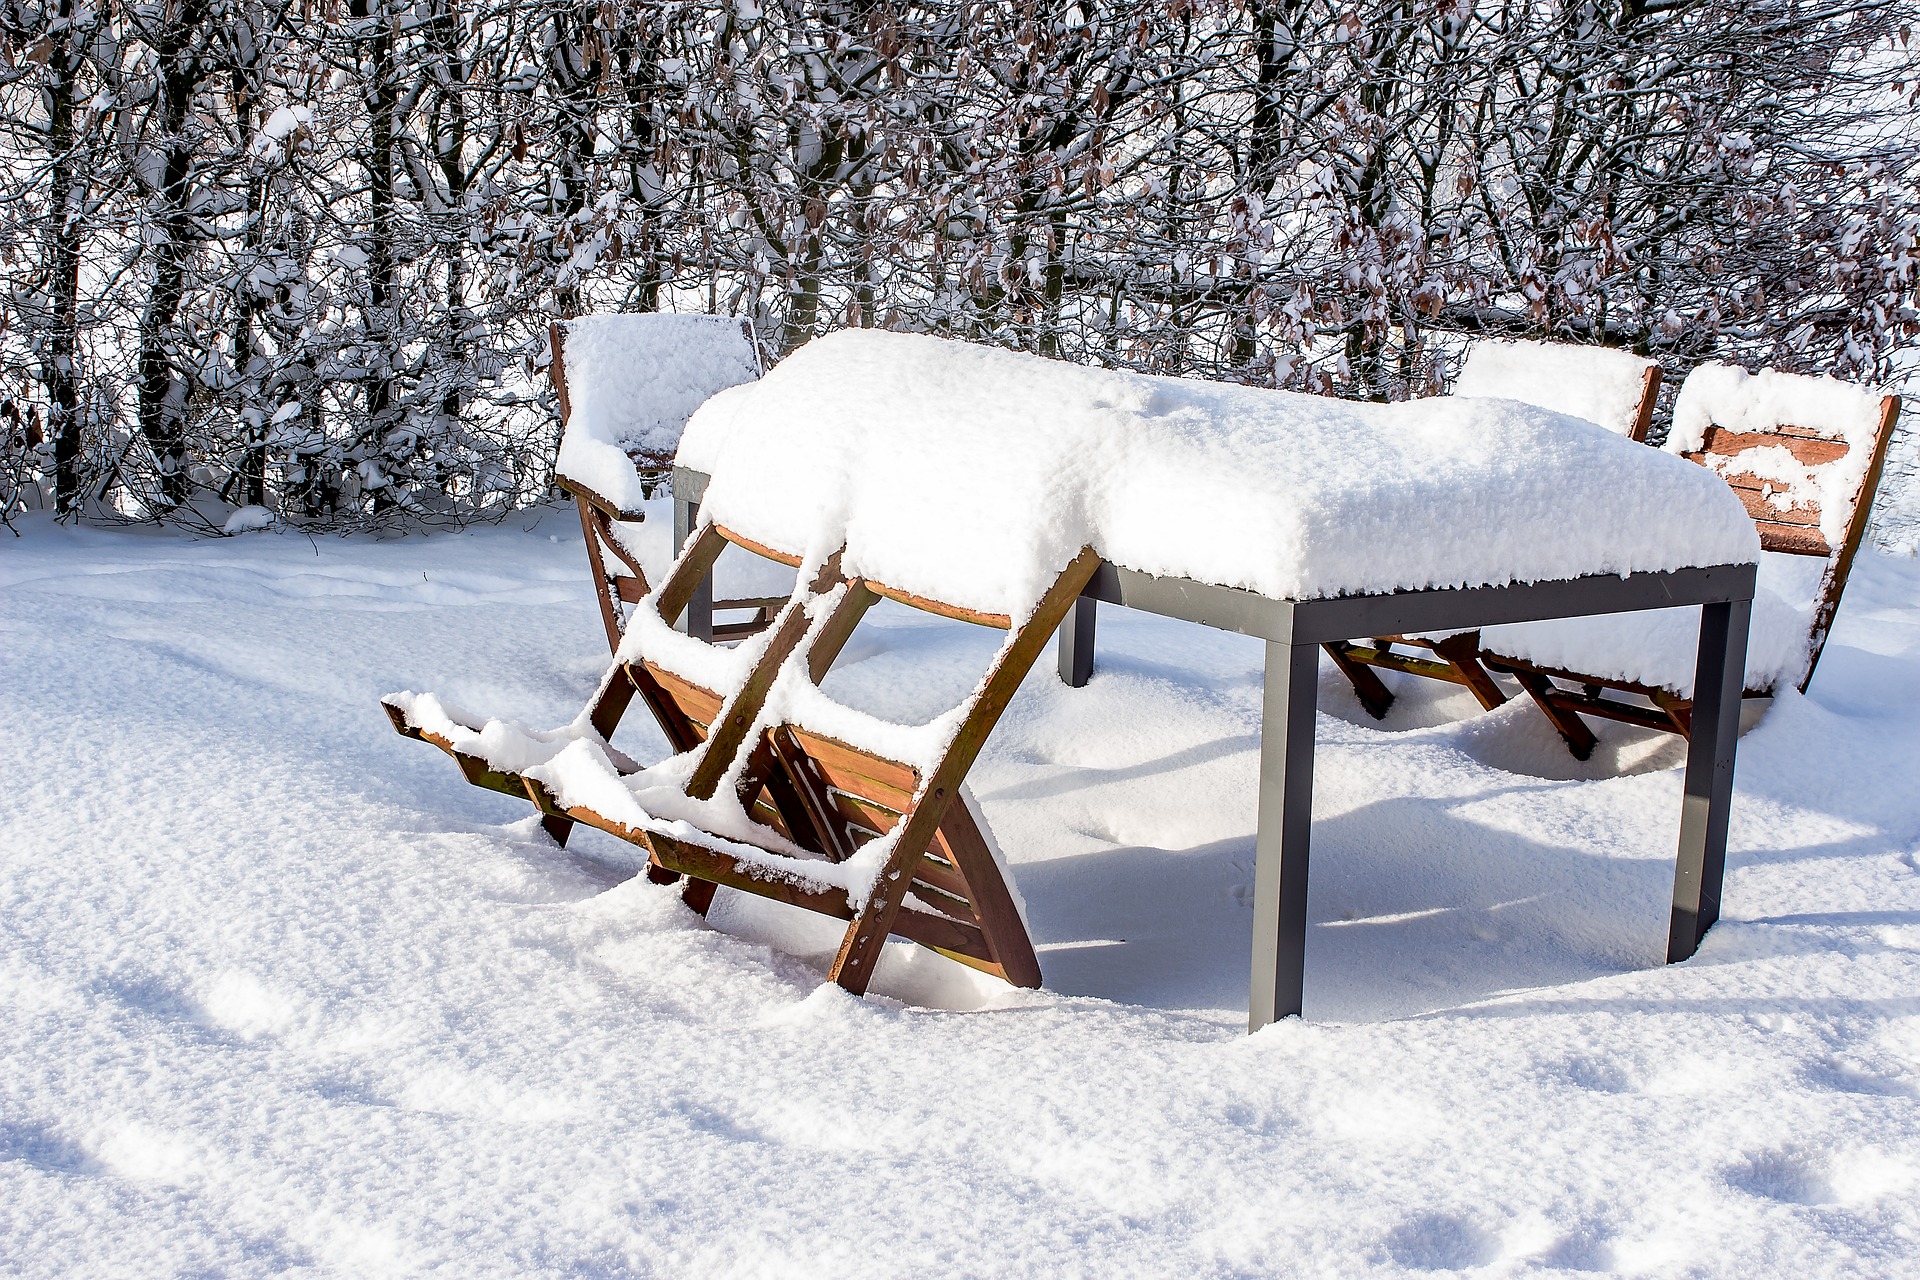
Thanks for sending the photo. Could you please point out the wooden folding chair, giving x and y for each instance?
(811, 794)
(615, 565)
(1787, 528)
(1618, 391)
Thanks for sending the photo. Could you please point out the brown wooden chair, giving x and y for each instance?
(1605, 385)
(812, 798)
(612, 557)
(1839, 443)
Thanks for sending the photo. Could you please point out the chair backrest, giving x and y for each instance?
(1804, 455)
(627, 385)
(1614, 388)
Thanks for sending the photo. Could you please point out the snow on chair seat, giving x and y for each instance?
(1604, 385)
(774, 789)
(626, 385)
(1804, 456)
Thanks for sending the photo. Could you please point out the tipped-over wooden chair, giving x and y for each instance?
(1805, 456)
(813, 800)
(1613, 388)
(612, 558)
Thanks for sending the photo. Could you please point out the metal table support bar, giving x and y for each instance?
(1719, 672)
(1284, 831)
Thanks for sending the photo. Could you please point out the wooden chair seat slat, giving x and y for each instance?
(856, 772)
(698, 704)
(1807, 447)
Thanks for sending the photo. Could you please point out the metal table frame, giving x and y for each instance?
(1294, 631)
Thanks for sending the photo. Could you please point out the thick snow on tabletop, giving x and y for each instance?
(1599, 384)
(973, 474)
(1727, 396)
(632, 383)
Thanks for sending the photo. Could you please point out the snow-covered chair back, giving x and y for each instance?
(627, 385)
(1601, 384)
(1804, 455)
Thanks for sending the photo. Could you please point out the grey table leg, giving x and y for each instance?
(1718, 676)
(1285, 826)
(1076, 642)
(697, 621)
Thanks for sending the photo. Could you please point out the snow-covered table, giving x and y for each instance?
(971, 474)
(1294, 632)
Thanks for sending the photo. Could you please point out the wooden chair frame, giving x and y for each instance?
(826, 796)
(1793, 532)
(607, 555)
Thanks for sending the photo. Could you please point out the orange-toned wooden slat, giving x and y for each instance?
(1649, 396)
(940, 871)
(946, 903)
(1791, 539)
(760, 549)
(1807, 449)
(837, 840)
(886, 782)
(1762, 500)
(683, 732)
(630, 590)
(863, 812)
(698, 704)
(999, 621)
(735, 724)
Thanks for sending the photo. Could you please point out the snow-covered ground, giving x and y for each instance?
(280, 993)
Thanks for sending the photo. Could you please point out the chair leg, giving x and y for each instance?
(1462, 653)
(1573, 729)
(699, 895)
(1679, 710)
(1372, 691)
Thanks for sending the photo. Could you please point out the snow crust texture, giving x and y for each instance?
(280, 994)
(1600, 384)
(632, 383)
(973, 475)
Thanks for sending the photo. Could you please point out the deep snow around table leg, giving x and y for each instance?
(1285, 828)
(1719, 673)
